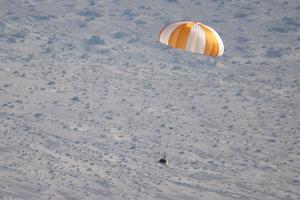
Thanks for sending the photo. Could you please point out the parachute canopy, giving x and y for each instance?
(192, 36)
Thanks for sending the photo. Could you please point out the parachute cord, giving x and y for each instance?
(166, 149)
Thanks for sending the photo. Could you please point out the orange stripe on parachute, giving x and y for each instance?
(211, 42)
(179, 36)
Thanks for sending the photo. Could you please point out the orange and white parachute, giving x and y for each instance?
(192, 36)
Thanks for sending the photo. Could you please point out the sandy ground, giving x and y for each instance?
(89, 101)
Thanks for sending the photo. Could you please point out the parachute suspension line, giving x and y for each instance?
(166, 149)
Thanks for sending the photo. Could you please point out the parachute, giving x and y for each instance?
(192, 36)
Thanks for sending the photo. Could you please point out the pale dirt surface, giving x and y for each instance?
(89, 100)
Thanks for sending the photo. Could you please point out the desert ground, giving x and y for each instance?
(89, 101)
